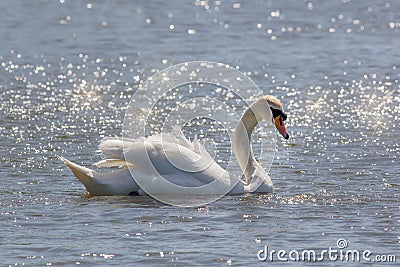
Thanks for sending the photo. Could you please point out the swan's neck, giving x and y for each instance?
(242, 143)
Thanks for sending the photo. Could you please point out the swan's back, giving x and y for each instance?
(170, 155)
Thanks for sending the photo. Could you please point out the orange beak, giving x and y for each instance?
(280, 125)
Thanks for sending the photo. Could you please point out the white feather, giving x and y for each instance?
(176, 159)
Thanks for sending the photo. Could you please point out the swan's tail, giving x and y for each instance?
(118, 182)
(85, 175)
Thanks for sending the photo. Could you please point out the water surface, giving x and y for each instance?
(69, 68)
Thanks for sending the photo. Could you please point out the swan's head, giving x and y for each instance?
(278, 116)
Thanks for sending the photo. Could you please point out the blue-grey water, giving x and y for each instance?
(69, 68)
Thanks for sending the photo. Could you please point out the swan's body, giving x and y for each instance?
(167, 153)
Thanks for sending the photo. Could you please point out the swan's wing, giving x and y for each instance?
(108, 163)
(176, 136)
(170, 155)
(196, 144)
(112, 147)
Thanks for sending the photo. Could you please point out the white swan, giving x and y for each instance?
(176, 148)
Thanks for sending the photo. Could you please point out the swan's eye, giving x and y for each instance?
(278, 112)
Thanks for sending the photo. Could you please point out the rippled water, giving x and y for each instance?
(68, 70)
